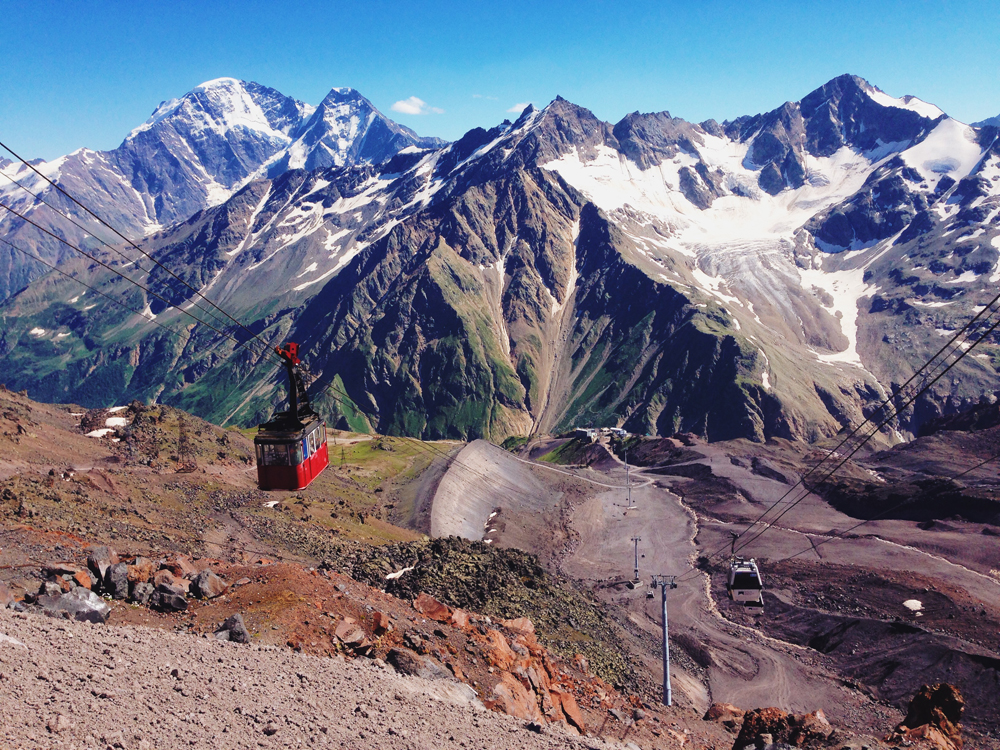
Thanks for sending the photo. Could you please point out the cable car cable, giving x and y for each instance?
(114, 271)
(112, 248)
(92, 288)
(895, 413)
(130, 242)
(909, 402)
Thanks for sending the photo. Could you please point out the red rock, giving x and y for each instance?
(164, 577)
(516, 700)
(141, 572)
(82, 578)
(569, 707)
(181, 566)
(460, 619)
(431, 608)
(498, 652)
(520, 625)
(381, 624)
(581, 663)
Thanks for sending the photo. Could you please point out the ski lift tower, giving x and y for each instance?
(628, 484)
(635, 541)
(665, 582)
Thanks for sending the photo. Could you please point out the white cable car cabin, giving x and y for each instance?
(744, 584)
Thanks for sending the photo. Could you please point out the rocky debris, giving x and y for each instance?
(167, 598)
(405, 661)
(233, 629)
(431, 608)
(207, 585)
(768, 726)
(933, 716)
(79, 604)
(116, 581)
(506, 584)
(725, 714)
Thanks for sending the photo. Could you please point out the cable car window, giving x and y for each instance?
(322, 434)
(746, 581)
(275, 455)
(260, 455)
(295, 452)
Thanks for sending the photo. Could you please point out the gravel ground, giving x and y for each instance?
(75, 685)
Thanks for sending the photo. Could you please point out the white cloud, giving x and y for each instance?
(519, 107)
(415, 106)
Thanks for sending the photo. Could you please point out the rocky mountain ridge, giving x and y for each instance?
(193, 152)
(777, 275)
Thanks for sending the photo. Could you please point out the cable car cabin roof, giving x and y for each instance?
(281, 428)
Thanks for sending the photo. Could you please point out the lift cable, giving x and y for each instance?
(108, 245)
(897, 506)
(909, 401)
(892, 415)
(94, 289)
(117, 273)
(133, 244)
(925, 385)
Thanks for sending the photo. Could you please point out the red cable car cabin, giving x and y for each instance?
(291, 446)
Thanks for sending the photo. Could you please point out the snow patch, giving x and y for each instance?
(914, 605)
(37, 332)
(846, 288)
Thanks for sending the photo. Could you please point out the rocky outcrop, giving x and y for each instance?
(766, 726)
(933, 718)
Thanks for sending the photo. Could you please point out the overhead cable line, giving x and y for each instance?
(112, 248)
(925, 370)
(91, 288)
(133, 244)
(117, 273)
(910, 400)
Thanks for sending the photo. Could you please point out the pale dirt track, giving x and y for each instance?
(132, 688)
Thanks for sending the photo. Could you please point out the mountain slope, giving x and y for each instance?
(772, 276)
(192, 153)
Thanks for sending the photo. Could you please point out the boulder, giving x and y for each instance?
(233, 629)
(520, 625)
(351, 634)
(460, 619)
(498, 652)
(181, 566)
(116, 581)
(82, 578)
(79, 604)
(207, 585)
(168, 598)
(934, 715)
(99, 560)
(405, 661)
(725, 714)
(431, 608)
(141, 571)
(569, 707)
(513, 698)
(767, 726)
(381, 624)
(141, 592)
(165, 578)
(50, 588)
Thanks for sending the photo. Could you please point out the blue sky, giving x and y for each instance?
(84, 73)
